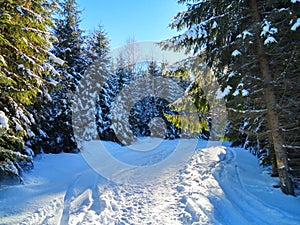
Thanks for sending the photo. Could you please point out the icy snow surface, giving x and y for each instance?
(219, 185)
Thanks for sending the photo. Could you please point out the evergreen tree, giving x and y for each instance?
(107, 96)
(69, 45)
(199, 103)
(97, 44)
(91, 112)
(57, 113)
(25, 40)
(247, 45)
(146, 111)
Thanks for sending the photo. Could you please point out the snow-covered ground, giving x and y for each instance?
(218, 185)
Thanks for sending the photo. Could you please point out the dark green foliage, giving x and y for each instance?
(25, 40)
(146, 110)
(246, 43)
(97, 45)
(107, 96)
(55, 115)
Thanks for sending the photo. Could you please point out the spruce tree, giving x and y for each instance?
(246, 43)
(95, 91)
(57, 113)
(107, 96)
(25, 40)
(98, 45)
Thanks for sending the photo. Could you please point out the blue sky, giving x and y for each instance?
(146, 20)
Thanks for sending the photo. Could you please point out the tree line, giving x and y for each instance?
(43, 56)
(250, 46)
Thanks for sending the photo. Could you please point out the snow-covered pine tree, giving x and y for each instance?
(69, 44)
(57, 114)
(88, 109)
(247, 43)
(25, 40)
(107, 95)
(98, 45)
(151, 107)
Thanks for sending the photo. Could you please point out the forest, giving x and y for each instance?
(250, 49)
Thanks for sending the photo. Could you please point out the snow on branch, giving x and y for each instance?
(236, 53)
(56, 59)
(291, 146)
(248, 111)
(3, 121)
(244, 34)
(21, 9)
(268, 31)
(270, 40)
(296, 25)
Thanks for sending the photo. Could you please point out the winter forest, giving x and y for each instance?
(239, 84)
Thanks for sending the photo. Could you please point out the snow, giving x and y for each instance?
(218, 185)
(56, 59)
(245, 92)
(3, 121)
(291, 146)
(29, 151)
(244, 34)
(21, 67)
(221, 94)
(268, 29)
(215, 25)
(296, 25)
(30, 133)
(236, 53)
(20, 10)
(36, 15)
(18, 127)
(269, 40)
(3, 60)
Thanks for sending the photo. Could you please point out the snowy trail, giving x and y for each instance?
(218, 185)
(178, 200)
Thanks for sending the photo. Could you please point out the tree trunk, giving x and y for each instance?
(286, 183)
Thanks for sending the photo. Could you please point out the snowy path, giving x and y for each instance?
(218, 186)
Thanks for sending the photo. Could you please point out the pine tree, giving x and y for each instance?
(151, 110)
(98, 45)
(69, 45)
(246, 43)
(107, 96)
(25, 40)
(196, 107)
(91, 114)
(57, 113)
